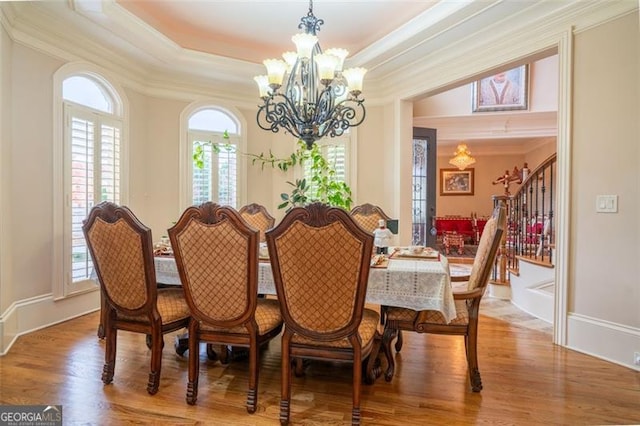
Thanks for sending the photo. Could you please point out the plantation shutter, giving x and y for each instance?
(335, 151)
(214, 170)
(202, 174)
(93, 152)
(227, 173)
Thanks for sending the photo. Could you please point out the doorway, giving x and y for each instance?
(500, 140)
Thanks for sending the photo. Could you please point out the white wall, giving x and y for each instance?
(374, 168)
(606, 160)
(486, 169)
(543, 94)
(6, 290)
(30, 199)
(540, 153)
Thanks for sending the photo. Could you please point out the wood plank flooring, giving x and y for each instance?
(527, 381)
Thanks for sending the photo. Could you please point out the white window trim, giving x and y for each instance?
(351, 171)
(186, 151)
(62, 285)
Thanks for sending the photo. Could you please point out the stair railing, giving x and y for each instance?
(530, 220)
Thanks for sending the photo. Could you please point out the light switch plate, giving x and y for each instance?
(607, 204)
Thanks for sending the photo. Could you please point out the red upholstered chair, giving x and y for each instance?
(320, 259)
(122, 252)
(467, 305)
(217, 257)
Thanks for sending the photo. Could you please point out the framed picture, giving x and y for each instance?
(504, 91)
(456, 182)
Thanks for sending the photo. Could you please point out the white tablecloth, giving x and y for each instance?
(414, 284)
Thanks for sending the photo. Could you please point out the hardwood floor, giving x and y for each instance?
(527, 381)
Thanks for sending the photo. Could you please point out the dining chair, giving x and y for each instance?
(367, 216)
(257, 216)
(216, 253)
(320, 261)
(467, 302)
(122, 252)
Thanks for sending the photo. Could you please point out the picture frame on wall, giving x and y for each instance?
(456, 182)
(503, 91)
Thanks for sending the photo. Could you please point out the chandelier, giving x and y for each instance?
(319, 98)
(462, 157)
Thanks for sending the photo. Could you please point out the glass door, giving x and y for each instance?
(424, 187)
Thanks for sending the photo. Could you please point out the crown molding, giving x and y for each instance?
(46, 27)
(473, 38)
(439, 65)
(496, 126)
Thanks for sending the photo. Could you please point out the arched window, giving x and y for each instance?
(91, 170)
(85, 91)
(213, 151)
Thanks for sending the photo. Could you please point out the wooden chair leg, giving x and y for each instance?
(299, 365)
(194, 365)
(472, 359)
(252, 396)
(224, 354)
(357, 379)
(156, 360)
(285, 381)
(103, 317)
(111, 335)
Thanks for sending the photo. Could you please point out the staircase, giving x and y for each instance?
(524, 271)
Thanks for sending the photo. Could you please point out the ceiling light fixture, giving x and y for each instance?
(462, 157)
(319, 98)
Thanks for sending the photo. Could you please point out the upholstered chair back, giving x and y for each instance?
(487, 249)
(258, 217)
(368, 215)
(217, 252)
(121, 250)
(320, 259)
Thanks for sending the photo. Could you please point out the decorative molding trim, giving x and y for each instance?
(32, 314)
(563, 197)
(454, 64)
(408, 55)
(496, 126)
(603, 339)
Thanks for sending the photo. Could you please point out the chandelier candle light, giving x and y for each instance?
(319, 98)
(462, 157)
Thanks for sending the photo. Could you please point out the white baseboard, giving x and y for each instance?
(606, 340)
(43, 311)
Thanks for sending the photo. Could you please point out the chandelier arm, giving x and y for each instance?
(275, 115)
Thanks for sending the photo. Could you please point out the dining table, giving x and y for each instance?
(409, 281)
(405, 282)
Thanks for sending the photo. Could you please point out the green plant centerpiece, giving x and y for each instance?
(323, 186)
